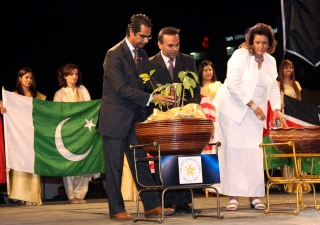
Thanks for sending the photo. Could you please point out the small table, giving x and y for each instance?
(173, 184)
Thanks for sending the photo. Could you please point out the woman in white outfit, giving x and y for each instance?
(69, 78)
(241, 105)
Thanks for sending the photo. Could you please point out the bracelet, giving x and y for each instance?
(254, 106)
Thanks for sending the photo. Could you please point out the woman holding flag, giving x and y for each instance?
(241, 105)
(25, 187)
(287, 81)
(208, 79)
(70, 80)
(209, 87)
(289, 86)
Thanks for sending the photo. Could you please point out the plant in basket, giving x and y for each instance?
(178, 90)
(175, 134)
(161, 89)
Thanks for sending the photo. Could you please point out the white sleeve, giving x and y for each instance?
(85, 93)
(58, 96)
(274, 94)
(236, 65)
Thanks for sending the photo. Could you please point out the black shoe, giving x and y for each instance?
(185, 208)
(170, 205)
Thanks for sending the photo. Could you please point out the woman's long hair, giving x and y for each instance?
(283, 64)
(203, 64)
(23, 71)
(65, 71)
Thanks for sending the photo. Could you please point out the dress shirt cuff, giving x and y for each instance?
(150, 99)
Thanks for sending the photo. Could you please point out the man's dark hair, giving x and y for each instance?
(61, 188)
(136, 21)
(167, 31)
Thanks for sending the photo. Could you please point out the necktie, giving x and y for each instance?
(135, 58)
(171, 68)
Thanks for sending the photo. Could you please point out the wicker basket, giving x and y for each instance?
(306, 139)
(176, 137)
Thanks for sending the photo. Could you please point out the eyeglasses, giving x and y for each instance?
(145, 36)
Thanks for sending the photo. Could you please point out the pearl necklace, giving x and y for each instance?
(259, 60)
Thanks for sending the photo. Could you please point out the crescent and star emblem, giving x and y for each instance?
(62, 149)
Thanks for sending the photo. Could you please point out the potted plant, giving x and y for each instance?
(175, 136)
(187, 83)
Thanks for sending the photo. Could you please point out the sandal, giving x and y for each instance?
(73, 201)
(257, 204)
(80, 200)
(233, 205)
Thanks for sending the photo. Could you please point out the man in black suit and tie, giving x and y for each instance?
(169, 44)
(167, 64)
(123, 99)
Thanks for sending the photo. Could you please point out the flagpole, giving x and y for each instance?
(282, 100)
(5, 146)
(283, 28)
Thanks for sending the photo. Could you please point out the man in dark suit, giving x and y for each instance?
(123, 101)
(169, 44)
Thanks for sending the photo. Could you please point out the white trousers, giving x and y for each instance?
(76, 186)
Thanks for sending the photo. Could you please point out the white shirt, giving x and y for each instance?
(166, 60)
(131, 47)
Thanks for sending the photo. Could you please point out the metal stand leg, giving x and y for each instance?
(164, 190)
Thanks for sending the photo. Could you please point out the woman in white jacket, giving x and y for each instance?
(69, 78)
(241, 105)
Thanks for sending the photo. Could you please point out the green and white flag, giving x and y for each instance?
(52, 138)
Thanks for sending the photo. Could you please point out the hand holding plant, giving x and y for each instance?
(161, 94)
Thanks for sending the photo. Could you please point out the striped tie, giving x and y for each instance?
(171, 68)
(135, 58)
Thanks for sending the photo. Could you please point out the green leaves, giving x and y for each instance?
(163, 90)
(188, 82)
(146, 77)
(179, 87)
(195, 77)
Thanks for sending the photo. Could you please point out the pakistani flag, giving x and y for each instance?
(52, 138)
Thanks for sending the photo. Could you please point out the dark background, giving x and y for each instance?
(45, 35)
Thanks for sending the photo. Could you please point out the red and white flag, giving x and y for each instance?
(210, 112)
(2, 156)
(298, 114)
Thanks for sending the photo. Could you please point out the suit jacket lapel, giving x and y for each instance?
(141, 69)
(140, 62)
(178, 67)
(129, 58)
(128, 55)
